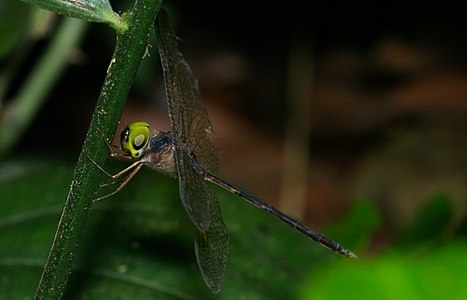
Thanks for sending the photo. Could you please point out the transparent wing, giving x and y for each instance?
(212, 248)
(187, 113)
(194, 151)
(194, 192)
(190, 123)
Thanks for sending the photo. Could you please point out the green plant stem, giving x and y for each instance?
(24, 107)
(129, 50)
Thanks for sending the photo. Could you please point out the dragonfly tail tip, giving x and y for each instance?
(351, 254)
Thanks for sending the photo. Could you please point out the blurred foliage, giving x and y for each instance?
(139, 244)
(440, 274)
(11, 31)
(427, 261)
(16, 46)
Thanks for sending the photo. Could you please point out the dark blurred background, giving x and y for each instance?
(316, 104)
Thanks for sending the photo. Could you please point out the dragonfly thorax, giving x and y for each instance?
(159, 154)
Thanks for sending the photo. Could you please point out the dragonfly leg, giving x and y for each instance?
(136, 167)
(133, 165)
(133, 169)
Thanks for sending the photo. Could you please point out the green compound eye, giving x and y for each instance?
(134, 138)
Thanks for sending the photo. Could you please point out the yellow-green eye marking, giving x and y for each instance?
(135, 138)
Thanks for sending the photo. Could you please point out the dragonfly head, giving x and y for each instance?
(135, 138)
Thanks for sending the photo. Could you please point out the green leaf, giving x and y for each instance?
(424, 263)
(139, 243)
(439, 275)
(89, 10)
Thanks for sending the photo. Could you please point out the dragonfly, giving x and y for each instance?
(188, 153)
